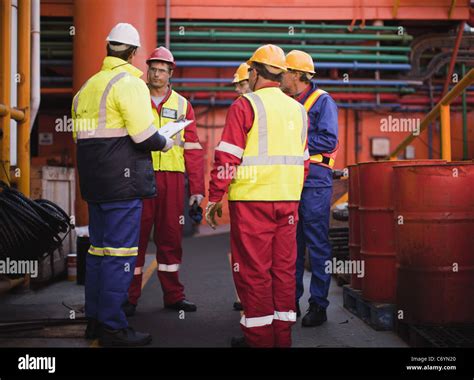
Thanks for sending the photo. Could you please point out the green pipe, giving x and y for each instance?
(465, 148)
(55, 52)
(318, 57)
(330, 89)
(286, 36)
(275, 25)
(185, 45)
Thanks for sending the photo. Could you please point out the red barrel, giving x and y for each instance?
(435, 242)
(354, 224)
(377, 228)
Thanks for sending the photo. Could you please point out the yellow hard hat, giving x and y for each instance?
(242, 73)
(270, 55)
(300, 61)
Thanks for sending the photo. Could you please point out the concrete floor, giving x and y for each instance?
(208, 282)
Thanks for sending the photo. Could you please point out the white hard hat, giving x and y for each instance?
(125, 34)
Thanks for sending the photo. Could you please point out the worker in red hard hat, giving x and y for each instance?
(165, 211)
(264, 144)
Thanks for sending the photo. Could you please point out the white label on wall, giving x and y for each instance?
(45, 138)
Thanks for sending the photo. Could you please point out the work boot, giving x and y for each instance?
(126, 337)
(315, 316)
(238, 306)
(92, 329)
(184, 305)
(129, 308)
(239, 343)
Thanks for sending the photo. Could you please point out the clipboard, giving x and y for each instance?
(174, 127)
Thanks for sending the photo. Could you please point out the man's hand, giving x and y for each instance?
(211, 209)
(196, 198)
(169, 144)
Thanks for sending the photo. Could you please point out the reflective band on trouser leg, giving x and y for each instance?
(283, 272)
(256, 321)
(168, 268)
(121, 234)
(93, 261)
(96, 251)
(168, 234)
(253, 281)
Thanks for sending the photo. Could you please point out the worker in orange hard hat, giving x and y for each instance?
(264, 144)
(315, 205)
(165, 211)
(241, 79)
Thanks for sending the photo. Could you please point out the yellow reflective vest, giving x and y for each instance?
(109, 120)
(272, 167)
(172, 160)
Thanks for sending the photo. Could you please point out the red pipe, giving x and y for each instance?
(457, 43)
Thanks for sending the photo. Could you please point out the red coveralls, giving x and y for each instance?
(165, 212)
(263, 243)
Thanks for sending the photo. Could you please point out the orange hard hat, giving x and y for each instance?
(242, 73)
(270, 55)
(161, 54)
(300, 61)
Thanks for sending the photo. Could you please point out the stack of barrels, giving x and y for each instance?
(412, 224)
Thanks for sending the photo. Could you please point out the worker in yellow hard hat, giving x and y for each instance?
(263, 145)
(314, 210)
(241, 79)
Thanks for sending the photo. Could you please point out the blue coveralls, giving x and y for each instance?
(113, 226)
(314, 210)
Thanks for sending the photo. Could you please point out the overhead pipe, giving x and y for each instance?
(276, 25)
(357, 82)
(307, 48)
(217, 54)
(213, 34)
(320, 57)
(5, 72)
(321, 65)
(235, 64)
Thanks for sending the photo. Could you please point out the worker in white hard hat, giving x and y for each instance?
(241, 79)
(115, 173)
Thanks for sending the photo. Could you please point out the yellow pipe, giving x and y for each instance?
(5, 71)
(14, 113)
(445, 133)
(433, 114)
(24, 59)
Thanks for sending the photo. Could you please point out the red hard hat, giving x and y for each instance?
(161, 54)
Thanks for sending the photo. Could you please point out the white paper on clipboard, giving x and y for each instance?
(172, 128)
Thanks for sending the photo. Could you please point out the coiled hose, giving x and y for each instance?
(29, 229)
